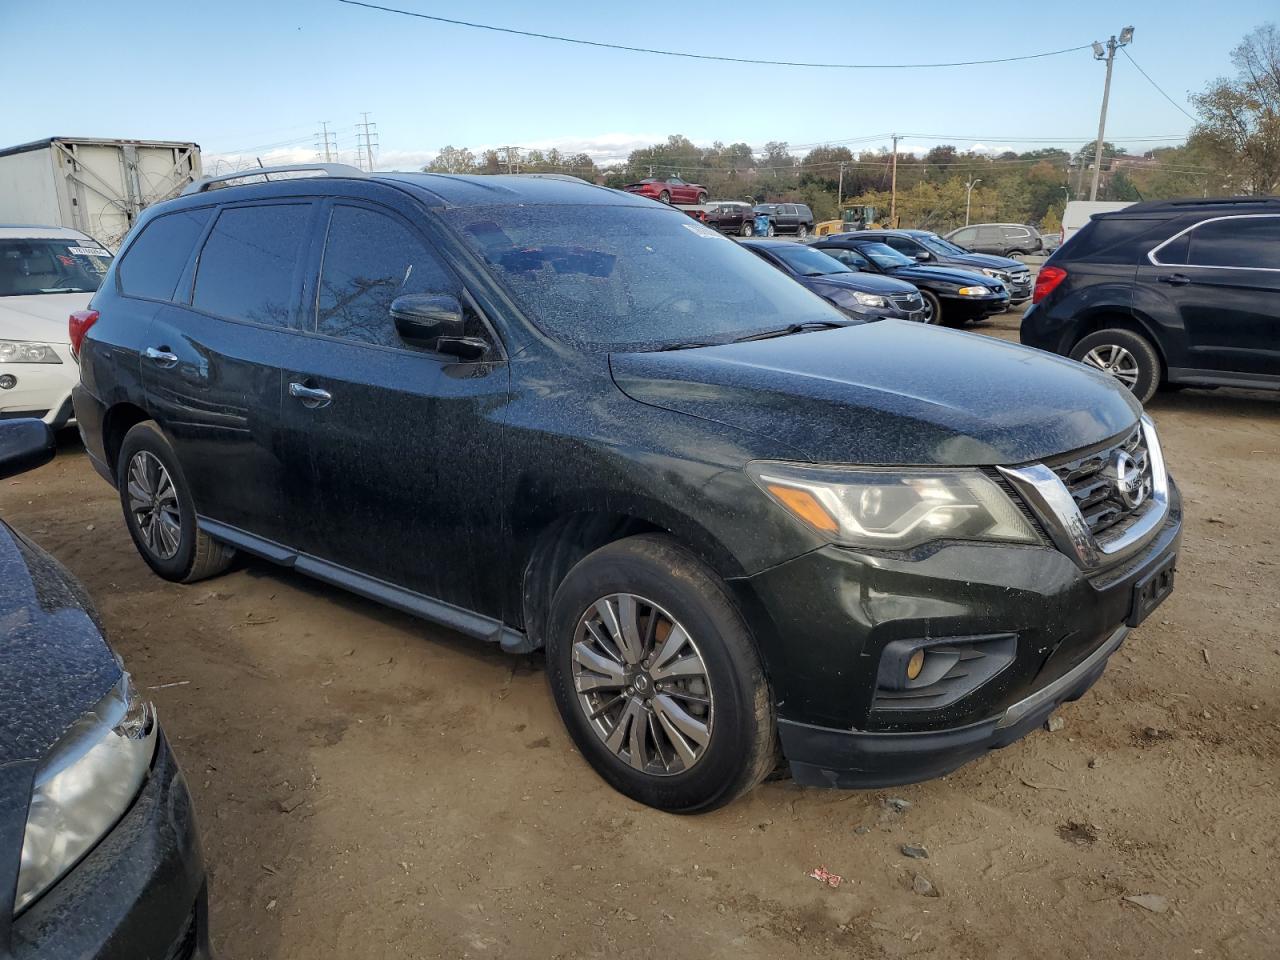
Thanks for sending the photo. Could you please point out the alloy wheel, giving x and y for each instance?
(1116, 360)
(153, 501)
(926, 315)
(642, 684)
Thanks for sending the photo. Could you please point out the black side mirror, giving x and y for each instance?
(24, 445)
(435, 322)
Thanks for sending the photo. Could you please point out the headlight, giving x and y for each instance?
(84, 786)
(869, 299)
(18, 351)
(893, 509)
(973, 292)
(994, 274)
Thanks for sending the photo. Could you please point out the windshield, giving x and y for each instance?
(808, 262)
(884, 255)
(632, 278)
(938, 245)
(29, 267)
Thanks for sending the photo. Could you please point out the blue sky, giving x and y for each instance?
(255, 78)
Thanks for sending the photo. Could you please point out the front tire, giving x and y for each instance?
(664, 197)
(772, 231)
(932, 308)
(748, 230)
(657, 678)
(159, 511)
(1127, 356)
(702, 198)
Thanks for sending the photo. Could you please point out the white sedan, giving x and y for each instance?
(46, 274)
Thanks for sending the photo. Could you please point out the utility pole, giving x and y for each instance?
(366, 139)
(326, 142)
(893, 187)
(1107, 53)
(840, 189)
(968, 189)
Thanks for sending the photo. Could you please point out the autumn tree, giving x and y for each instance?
(1240, 115)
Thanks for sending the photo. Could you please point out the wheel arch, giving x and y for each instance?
(1110, 319)
(119, 419)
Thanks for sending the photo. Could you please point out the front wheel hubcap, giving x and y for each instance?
(642, 684)
(153, 502)
(1116, 360)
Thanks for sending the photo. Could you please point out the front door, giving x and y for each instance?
(403, 445)
(212, 363)
(1223, 279)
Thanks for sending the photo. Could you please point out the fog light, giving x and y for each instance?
(915, 664)
(8, 381)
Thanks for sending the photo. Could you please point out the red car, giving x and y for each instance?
(669, 190)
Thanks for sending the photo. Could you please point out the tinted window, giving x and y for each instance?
(248, 263)
(850, 258)
(154, 262)
(1237, 242)
(631, 277)
(369, 260)
(808, 261)
(988, 234)
(903, 245)
(1016, 233)
(964, 236)
(1113, 240)
(1175, 251)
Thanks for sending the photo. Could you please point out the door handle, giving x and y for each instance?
(160, 356)
(1175, 279)
(312, 397)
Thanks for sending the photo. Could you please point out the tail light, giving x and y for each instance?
(78, 325)
(1047, 281)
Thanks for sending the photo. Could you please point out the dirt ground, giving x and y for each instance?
(372, 786)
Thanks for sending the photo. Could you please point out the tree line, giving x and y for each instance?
(1234, 147)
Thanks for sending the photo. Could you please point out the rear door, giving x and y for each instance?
(988, 239)
(965, 237)
(1223, 276)
(212, 362)
(404, 445)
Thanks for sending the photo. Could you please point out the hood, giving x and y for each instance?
(980, 260)
(40, 316)
(892, 392)
(937, 274)
(54, 662)
(866, 282)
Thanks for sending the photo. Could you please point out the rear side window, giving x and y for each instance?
(154, 262)
(1236, 242)
(369, 260)
(1114, 240)
(248, 264)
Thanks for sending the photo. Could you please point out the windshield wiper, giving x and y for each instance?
(793, 328)
(684, 345)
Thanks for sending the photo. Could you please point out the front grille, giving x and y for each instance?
(1092, 480)
(907, 301)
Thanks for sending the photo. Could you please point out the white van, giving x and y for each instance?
(1078, 212)
(46, 274)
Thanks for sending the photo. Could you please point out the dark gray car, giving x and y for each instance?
(98, 849)
(1001, 239)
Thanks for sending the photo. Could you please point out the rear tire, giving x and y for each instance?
(1127, 356)
(621, 707)
(159, 511)
(772, 231)
(802, 232)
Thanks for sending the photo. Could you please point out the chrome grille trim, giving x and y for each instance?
(1092, 536)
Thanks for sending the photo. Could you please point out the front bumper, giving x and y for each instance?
(823, 621)
(139, 893)
(42, 390)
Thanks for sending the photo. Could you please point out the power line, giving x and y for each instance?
(707, 56)
(1157, 86)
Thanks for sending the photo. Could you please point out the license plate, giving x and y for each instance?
(1150, 591)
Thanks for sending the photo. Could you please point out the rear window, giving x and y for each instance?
(1112, 240)
(154, 262)
(248, 264)
(31, 267)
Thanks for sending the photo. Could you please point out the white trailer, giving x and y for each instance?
(95, 186)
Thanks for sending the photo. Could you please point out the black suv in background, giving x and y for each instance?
(546, 413)
(864, 296)
(787, 218)
(1001, 239)
(1169, 291)
(925, 247)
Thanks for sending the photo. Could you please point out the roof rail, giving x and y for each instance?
(556, 176)
(1200, 202)
(329, 169)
